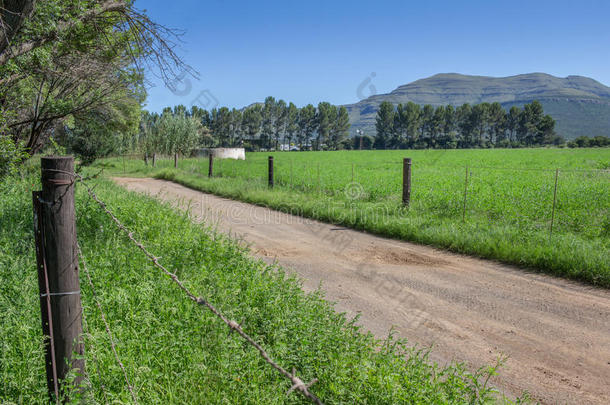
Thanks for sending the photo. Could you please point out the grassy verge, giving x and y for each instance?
(174, 352)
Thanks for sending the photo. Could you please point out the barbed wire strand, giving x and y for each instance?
(297, 383)
(106, 325)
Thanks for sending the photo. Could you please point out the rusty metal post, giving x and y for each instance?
(465, 195)
(406, 181)
(270, 176)
(59, 265)
(45, 298)
(554, 203)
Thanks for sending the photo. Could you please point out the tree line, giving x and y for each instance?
(264, 125)
(482, 125)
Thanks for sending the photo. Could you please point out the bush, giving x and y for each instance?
(11, 155)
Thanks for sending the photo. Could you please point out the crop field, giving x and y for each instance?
(511, 205)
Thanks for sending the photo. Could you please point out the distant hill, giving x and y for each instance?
(580, 105)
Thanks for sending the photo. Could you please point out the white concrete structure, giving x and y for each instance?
(223, 153)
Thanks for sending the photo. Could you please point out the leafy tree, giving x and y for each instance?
(425, 126)
(340, 129)
(269, 116)
(307, 125)
(180, 133)
(292, 123)
(497, 123)
(412, 114)
(235, 128)
(279, 128)
(324, 123)
(252, 119)
(62, 59)
(384, 124)
(107, 130)
(513, 120)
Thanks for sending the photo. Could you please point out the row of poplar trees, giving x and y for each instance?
(266, 126)
(482, 125)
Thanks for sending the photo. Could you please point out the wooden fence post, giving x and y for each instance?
(176, 160)
(154, 160)
(211, 166)
(406, 181)
(58, 271)
(270, 171)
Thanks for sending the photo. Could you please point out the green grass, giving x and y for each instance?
(508, 203)
(173, 351)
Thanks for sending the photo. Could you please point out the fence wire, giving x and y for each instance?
(106, 325)
(297, 384)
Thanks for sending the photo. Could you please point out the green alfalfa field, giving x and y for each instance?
(496, 204)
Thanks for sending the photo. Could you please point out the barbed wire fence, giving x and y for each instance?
(464, 200)
(296, 383)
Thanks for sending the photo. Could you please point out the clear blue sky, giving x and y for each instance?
(312, 51)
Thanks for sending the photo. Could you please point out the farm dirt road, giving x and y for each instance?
(555, 332)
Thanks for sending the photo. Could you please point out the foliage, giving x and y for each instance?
(174, 131)
(74, 62)
(175, 353)
(273, 123)
(586, 142)
(11, 155)
(480, 126)
(102, 132)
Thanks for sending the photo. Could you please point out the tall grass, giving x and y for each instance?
(501, 207)
(174, 352)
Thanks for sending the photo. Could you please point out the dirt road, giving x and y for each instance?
(555, 332)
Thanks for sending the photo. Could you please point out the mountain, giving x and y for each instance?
(579, 105)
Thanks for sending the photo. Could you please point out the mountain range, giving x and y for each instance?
(579, 105)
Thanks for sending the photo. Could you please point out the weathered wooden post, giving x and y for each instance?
(57, 258)
(270, 177)
(211, 166)
(176, 160)
(406, 181)
(154, 160)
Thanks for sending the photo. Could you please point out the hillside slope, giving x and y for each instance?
(580, 105)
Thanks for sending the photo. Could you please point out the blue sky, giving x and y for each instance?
(312, 51)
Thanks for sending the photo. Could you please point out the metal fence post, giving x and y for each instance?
(554, 203)
(465, 194)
